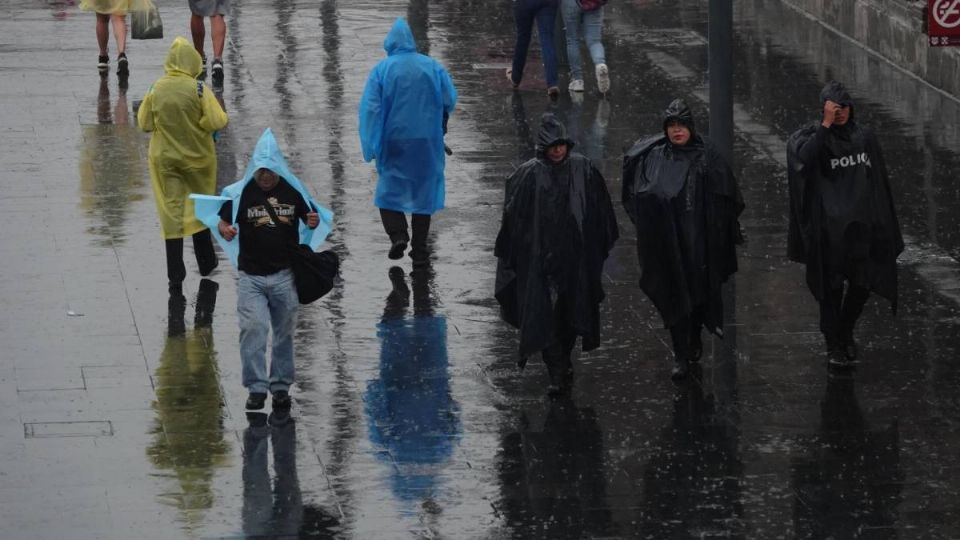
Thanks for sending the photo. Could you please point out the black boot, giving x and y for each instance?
(176, 271)
(419, 251)
(395, 225)
(853, 304)
(203, 249)
(398, 245)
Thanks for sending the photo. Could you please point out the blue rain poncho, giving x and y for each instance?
(401, 124)
(266, 155)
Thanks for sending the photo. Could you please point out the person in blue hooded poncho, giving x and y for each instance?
(403, 116)
(256, 239)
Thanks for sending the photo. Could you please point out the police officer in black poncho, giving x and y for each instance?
(842, 221)
(683, 199)
(558, 228)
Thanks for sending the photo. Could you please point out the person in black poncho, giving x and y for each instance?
(683, 199)
(558, 228)
(842, 222)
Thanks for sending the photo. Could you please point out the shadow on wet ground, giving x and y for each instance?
(120, 413)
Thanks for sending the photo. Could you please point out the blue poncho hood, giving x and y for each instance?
(400, 38)
(266, 155)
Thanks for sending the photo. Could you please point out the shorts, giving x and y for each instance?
(209, 8)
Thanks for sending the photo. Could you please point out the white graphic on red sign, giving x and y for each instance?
(947, 13)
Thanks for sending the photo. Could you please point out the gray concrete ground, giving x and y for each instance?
(121, 414)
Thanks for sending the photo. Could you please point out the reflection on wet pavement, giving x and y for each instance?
(189, 442)
(410, 418)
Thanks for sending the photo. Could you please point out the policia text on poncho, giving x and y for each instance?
(557, 230)
(842, 222)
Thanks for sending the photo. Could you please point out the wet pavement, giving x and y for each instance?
(121, 411)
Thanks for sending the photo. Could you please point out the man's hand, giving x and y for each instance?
(313, 219)
(830, 109)
(227, 231)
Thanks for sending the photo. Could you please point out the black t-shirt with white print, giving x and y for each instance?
(263, 243)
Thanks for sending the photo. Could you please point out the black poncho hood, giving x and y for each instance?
(552, 132)
(837, 93)
(678, 111)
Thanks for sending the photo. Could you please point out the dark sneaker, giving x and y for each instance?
(281, 400)
(123, 68)
(837, 358)
(103, 62)
(398, 246)
(216, 70)
(553, 92)
(256, 400)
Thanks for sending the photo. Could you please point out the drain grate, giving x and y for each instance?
(40, 430)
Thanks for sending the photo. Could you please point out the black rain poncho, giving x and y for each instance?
(558, 228)
(842, 221)
(684, 202)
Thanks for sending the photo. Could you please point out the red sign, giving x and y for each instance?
(943, 22)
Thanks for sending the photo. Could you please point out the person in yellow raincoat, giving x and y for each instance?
(182, 115)
(111, 12)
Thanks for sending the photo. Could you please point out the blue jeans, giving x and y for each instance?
(590, 23)
(544, 12)
(264, 302)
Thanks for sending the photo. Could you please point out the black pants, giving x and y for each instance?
(839, 313)
(395, 224)
(685, 335)
(557, 355)
(202, 248)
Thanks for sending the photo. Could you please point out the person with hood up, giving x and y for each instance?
(843, 226)
(257, 220)
(683, 198)
(403, 118)
(558, 228)
(182, 116)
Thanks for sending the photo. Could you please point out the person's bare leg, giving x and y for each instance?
(198, 32)
(218, 29)
(120, 32)
(103, 32)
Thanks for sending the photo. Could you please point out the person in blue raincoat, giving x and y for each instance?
(403, 116)
(256, 239)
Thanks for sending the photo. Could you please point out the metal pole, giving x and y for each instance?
(721, 75)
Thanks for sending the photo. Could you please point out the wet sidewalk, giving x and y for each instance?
(121, 412)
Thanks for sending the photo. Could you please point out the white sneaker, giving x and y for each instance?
(603, 78)
(576, 85)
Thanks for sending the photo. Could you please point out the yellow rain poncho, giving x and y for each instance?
(182, 114)
(115, 7)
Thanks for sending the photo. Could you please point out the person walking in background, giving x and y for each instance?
(110, 13)
(557, 229)
(403, 117)
(257, 221)
(682, 197)
(214, 10)
(182, 115)
(843, 225)
(544, 13)
(585, 17)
